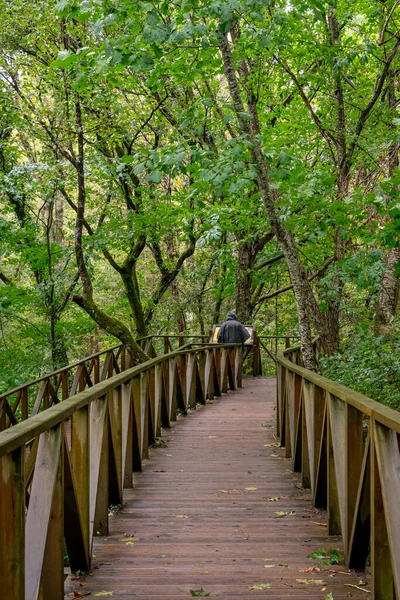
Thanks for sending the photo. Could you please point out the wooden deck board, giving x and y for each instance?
(196, 525)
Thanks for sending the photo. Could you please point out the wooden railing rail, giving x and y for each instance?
(61, 469)
(34, 396)
(267, 347)
(346, 447)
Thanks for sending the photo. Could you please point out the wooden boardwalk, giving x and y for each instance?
(218, 509)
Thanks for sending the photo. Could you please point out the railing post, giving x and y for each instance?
(279, 370)
(99, 434)
(52, 575)
(354, 449)
(12, 525)
(224, 370)
(257, 371)
(306, 471)
(127, 435)
(239, 366)
(381, 564)
(80, 464)
(334, 501)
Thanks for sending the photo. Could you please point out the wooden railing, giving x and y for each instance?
(346, 447)
(61, 469)
(31, 398)
(267, 348)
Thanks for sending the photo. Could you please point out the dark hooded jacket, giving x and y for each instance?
(232, 331)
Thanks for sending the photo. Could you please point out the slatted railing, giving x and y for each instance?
(346, 447)
(31, 398)
(264, 361)
(61, 469)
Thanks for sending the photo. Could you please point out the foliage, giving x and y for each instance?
(330, 557)
(171, 189)
(368, 364)
(199, 593)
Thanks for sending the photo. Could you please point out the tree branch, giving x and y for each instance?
(327, 135)
(4, 278)
(380, 80)
(67, 295)
(290, 287)
(386, 23)
(90, 231)
(169, 275)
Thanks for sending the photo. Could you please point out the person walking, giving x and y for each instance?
(232, 331)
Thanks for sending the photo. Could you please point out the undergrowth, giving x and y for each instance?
(368, 364)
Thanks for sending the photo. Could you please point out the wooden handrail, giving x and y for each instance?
(379, 412)
(346, 447)
(34, 396)
(61, 469)
(16, 436)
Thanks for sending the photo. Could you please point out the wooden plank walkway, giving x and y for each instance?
(200, 516)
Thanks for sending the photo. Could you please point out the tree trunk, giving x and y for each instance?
(59, 354)
(58, 221)
(389, 287)
(244, 286)
(285, 239)
(110, 324)
(131, 285)
(343, 171)
(220, 288)
(388, 293)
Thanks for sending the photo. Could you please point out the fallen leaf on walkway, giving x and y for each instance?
(283, 565)
(181, 516)
(129, 544)
(268, 566)
(274, 454)
(272, 499)
(212, 437)
(223, 491)
(280, 513)
(250, 489)
(104, 593)
(311, 581)
(274, 445)
(201, 593)
(163, 556)
(309, 570)
(261, 586)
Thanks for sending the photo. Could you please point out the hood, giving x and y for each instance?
(231, 316)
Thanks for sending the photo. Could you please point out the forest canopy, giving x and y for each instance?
(164, 162)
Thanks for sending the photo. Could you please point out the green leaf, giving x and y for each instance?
(65, 59)
(155, 177)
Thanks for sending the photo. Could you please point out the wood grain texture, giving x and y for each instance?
(190, 522)
(40, 506)
(12, 526)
